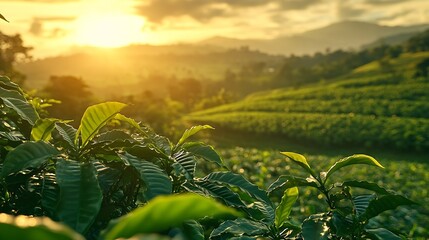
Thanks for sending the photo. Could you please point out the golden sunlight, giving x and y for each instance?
(109, 30)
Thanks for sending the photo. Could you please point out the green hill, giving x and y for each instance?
(379, 104)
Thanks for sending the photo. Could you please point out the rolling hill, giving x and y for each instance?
(341, 35)
(370, 107)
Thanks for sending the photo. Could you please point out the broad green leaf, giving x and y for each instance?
(219, 192)
(34, 228)
(204, 151)
(155, 179)
(193, 130)
(366, 185)
(283, 210)
(19, 104)
(6, 83)
(67, 132)
(384, 203)
(2, 17)
(185, 164)
(128, 120)
(351, 160)
(343, 226)
(288, 181)
(95, 117)
(165, 212)
(27, 155)
(314, 229)
(239, 181)
(114, 135)
(80, 195)
(13, 136)
(12, 93)
(42, 129)
(361, 202)
(192, 230)
(239, 227)
(49, 193)
(257, 210)
(300, 160)
(383, 234)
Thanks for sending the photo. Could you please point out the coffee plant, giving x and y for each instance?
(115, 178)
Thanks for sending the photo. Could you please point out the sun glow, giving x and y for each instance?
(109, 30)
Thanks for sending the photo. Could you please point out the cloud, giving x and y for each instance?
(37, 26)
(383, 2)
(346, 10)
(203, 10)
(394, 15)
(56, 19)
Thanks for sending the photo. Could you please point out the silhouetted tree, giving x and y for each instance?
(12, 50)
(73, 94)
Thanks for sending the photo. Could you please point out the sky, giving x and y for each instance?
(55, 27)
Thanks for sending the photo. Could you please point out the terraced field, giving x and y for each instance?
(368, 107)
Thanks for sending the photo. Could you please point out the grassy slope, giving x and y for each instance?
(373, 105)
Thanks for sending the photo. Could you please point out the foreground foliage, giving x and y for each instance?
(116, 175)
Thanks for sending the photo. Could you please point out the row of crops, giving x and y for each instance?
(379, 111)
(327, 129)
(376, 107)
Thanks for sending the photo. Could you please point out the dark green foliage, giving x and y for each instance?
(90, 176)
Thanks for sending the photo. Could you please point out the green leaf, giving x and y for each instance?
(95, 117)
(27, 155)
(343, 226)
(300, 160)
(155, 179)
(31, 228)
(14, 136)
(185, 163)
(238, 227)
(283, 210)
(314, 228)
(204, 151)
(384, 203)
(67, 132)
(16, 101)
(366, 185)
(361, 202)
(14, 93)
(49, 193)
(5, 82)
(165, 212)
(219, 192)
(2, 17)
(193, 130)
(351, 160)
(80, 195)
(288, 181)
(383, 234)
(42, 129)
(239, 181)
(192, 230)
(128, 120)
(114, 135)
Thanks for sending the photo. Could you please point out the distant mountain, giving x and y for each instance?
(123, 71)
(391, 40)
(341, 35)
